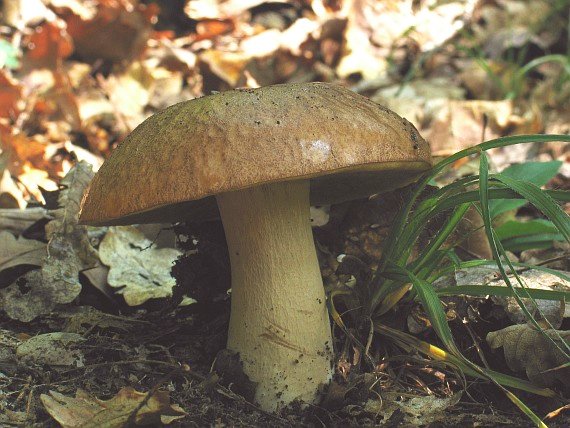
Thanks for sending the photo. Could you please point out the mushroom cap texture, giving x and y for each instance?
(174, 163)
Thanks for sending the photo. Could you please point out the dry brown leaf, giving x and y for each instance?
(506, 24)
(129, 93)
(11, 196)
(553, 310)
(228, 66)
(48, 45)
(54, 349)
(10, 94)
(526, 349)
(118, 32)
(86, 411)
(461, 124)
(68, 252)
(20, 251)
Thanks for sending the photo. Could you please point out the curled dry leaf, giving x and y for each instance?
(68, 252)
(86, 411)
(526, 349)
(140, 271)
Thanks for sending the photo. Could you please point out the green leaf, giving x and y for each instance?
(537, 173)
(524, 235)
(538, 241)
(541, 201)
(513, 228)
(8, 55)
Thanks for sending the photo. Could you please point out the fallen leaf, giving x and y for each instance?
(86, 411)
(417, 411)
(10, 94)
(48, 45)
(461, 124)
(526, 349)
(129, 93)
(552, 310)
(52, 349)
(20, 251)
(68, 252)
(21, 13)
(118, 32)
(221, 9)
(140, 271)
(83, 318)
(11, 196)
(228, 66)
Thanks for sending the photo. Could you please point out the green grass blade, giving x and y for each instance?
(492, 290)
(497, 249)
(536, 241)
(441, 237)
(541, 201)
(493, 264)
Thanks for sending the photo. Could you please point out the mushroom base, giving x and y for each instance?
(279, 322)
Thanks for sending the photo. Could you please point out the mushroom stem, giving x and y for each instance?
(279, 322)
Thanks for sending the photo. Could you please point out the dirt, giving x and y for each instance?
(174, 352)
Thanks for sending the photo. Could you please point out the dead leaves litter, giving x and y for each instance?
(86, 411)
(528, 350)
(139, 271)
(68, 251)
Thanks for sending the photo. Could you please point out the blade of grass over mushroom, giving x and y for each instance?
(499, 253)
(395, 243)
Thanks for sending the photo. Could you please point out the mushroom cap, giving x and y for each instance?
(174, 163)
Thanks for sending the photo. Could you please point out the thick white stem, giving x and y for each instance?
(279, 322)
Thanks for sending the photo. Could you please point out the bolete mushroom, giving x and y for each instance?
(262, 156)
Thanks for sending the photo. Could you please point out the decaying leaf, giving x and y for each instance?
(86, 411)
(10, 93)
(118, 31)
(526, 349)
(84, 318)
(140, 271)
(68, 252)
(417, 411)
(20, 251)
(554, 311)
(53, 349)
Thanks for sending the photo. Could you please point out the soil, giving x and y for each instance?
(174, 351)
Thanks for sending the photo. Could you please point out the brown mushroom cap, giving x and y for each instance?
(170, 167)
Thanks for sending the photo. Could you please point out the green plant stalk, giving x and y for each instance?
(402, 219)
(498, 251)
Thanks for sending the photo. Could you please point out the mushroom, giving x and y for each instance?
(262, 157)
